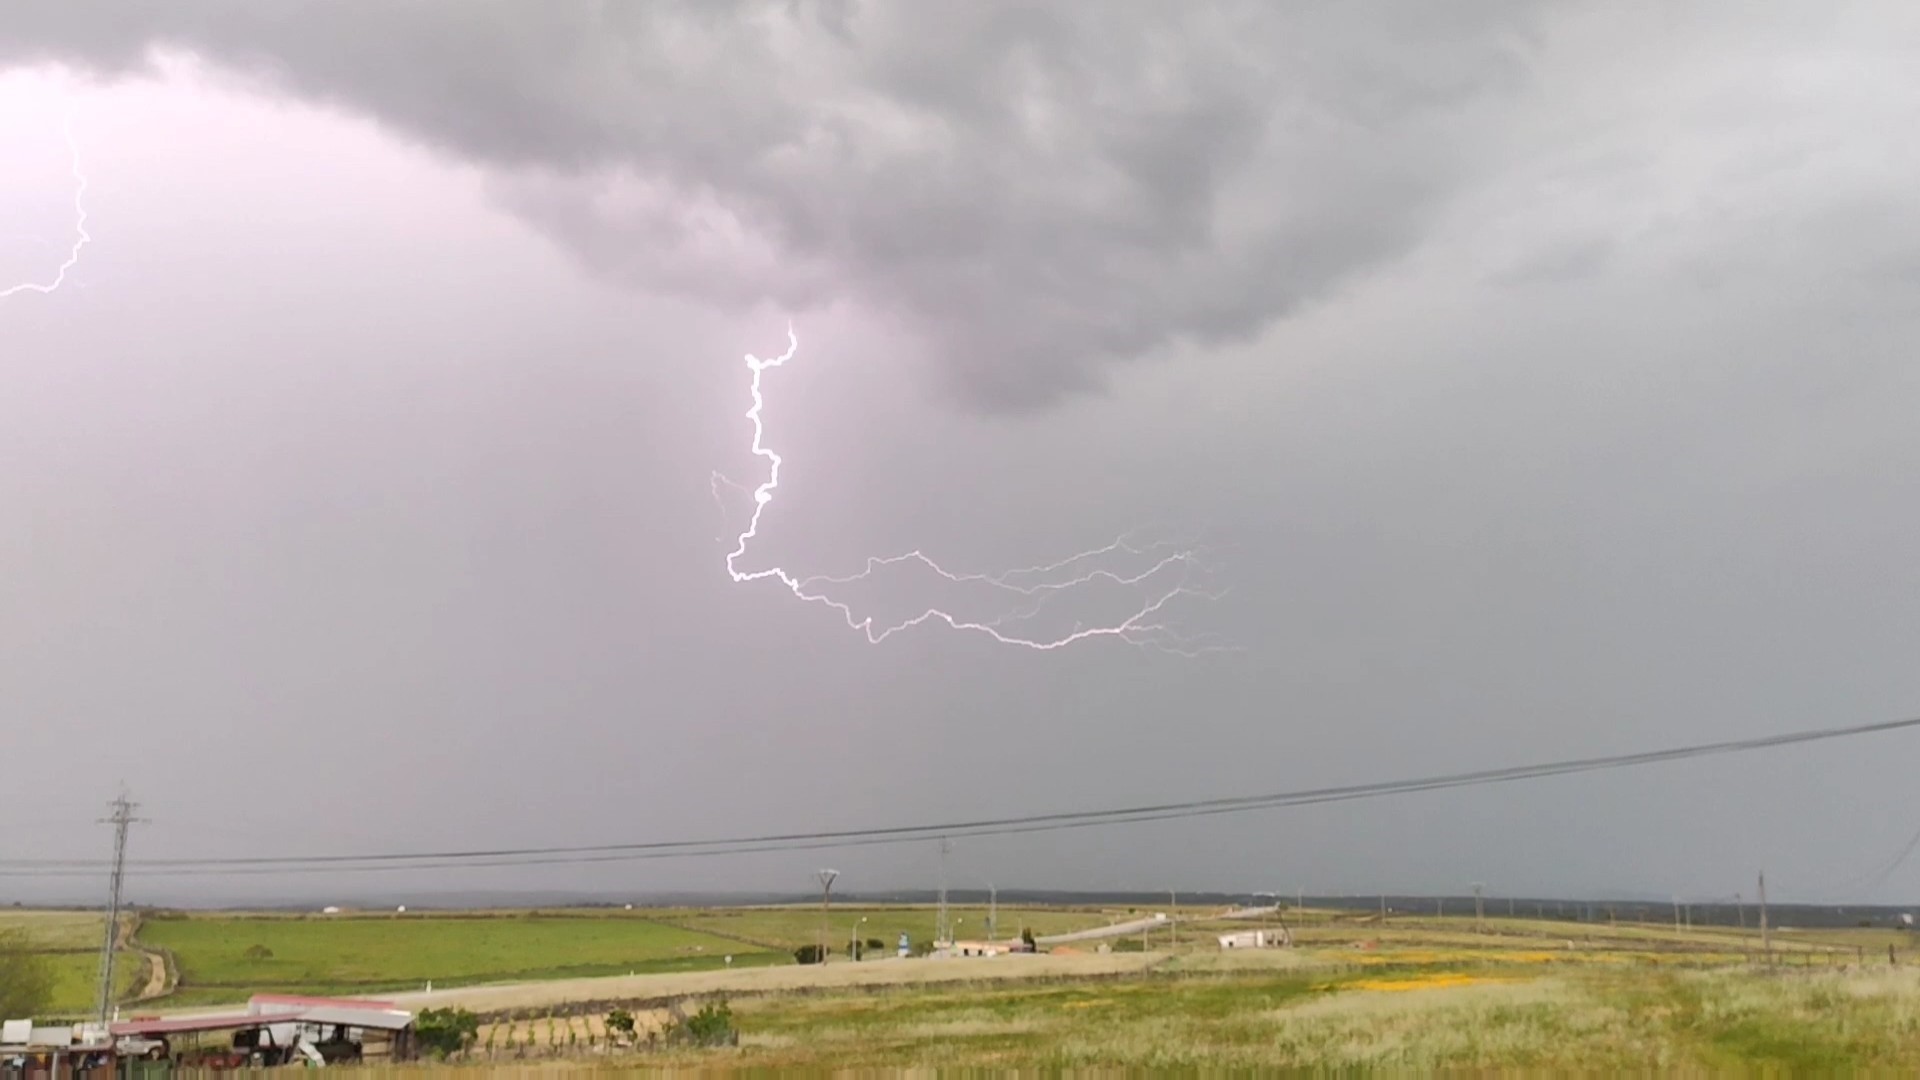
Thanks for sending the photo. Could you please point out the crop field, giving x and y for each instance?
(223, 957)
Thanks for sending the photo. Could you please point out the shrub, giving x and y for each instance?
(809, 954)
(711, 1026)
(874, 944)
(445, 1031)
(259, 952)
(620, 1022)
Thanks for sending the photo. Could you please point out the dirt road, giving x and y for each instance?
(764, 980)
(156, 981)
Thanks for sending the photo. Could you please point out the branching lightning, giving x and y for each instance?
(1165, 578)
(79, 229)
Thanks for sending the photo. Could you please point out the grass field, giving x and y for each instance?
(70, 942)
(226, 957)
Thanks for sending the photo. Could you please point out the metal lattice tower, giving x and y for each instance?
(121, 817)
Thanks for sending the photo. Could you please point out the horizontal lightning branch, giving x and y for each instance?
(1162, 573)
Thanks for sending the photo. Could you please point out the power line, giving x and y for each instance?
(572, 854)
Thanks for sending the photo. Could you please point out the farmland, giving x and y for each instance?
(1407, 992)
(227, 957)
(223, 957)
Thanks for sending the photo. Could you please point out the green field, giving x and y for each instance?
(787, 928)
(227, 957)
(77, 978)
(69, 942)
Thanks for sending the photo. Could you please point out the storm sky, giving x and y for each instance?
(1539, 376)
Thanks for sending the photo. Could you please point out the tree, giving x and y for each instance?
(809, 954)
(26, 979)
(620, 1022)
(1026, 937)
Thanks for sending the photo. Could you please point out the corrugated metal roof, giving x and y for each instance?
(374, 1019)
(270, 1010)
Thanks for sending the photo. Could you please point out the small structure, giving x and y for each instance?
(1254, 939)
(56, 1051)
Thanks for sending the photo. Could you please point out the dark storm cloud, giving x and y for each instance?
(1036, 190)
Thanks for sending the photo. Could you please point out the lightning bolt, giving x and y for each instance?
(79, 228)
(1163, 580)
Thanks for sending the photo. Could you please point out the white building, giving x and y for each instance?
(1253, 939)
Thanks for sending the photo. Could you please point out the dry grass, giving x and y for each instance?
(1521, 1017)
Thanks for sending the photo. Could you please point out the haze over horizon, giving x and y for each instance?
(1536, 377)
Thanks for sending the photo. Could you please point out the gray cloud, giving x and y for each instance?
(1036, 191)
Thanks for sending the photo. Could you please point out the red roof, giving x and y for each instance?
(227, 1022)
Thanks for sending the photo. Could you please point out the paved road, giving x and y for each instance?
(1125, 929)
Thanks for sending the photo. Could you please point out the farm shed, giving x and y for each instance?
(276, 1030)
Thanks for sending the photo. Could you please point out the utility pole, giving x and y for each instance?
(993, 910)
(1479, 911)
(1740, 910)
(121, 817)
(826, 889)
(1766, 936)
(1173, 919)
(942, 932)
